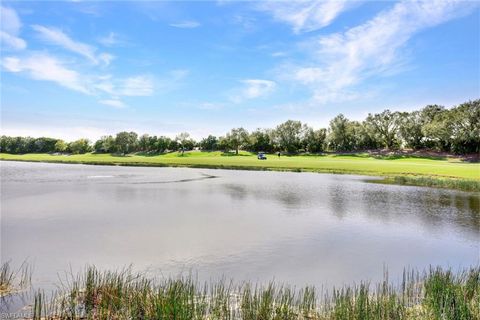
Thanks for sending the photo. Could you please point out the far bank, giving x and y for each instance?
(434, 171)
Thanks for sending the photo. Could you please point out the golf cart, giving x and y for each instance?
(261, 156)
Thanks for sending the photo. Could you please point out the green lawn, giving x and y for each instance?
(357, 163)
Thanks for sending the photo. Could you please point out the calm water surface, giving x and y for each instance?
(298, 228)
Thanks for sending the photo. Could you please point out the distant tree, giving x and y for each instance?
(165, 143)
(385, 125)
(288, 135)
(60, 146)
(144, 142)
(105, 144)
(43, 145)
(209, 143)
(223, 144)
(152, 144)
(126, 142)
(237, 138)
(4, 143)
(410, 129)
(341, 134)
(261, 140)
(79, 146)
(362, 137)
(437, 127)
(185, 142)
(314, 140)
(173, 144)
(466, 127)
(451, 130)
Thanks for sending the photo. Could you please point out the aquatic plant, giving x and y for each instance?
(12, 280)
(434, 294)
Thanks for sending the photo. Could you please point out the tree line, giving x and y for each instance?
(455, 130)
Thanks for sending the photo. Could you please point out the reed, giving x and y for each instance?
(459, 184)
(13, 280)
(433, 294)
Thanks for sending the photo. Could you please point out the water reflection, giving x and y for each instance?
(299, 228)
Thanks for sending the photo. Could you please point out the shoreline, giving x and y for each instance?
(406, 179)
(120, 294)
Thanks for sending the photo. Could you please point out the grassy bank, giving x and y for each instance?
(449, 170)
(434, 294)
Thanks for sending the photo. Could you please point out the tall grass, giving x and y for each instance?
(12, 280)
(459, 184)
(434, 294)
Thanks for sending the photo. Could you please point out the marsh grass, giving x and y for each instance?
(434, 294)
(13, 280)
(459, 184)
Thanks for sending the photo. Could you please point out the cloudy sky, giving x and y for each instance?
(85, 69)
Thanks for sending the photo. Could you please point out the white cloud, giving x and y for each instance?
(136, 86)
(41, 66)
(10, 28)
(59, 38)
(12, 42)
(112, 39)
(253, 88)
(140, 85)
(343, 60)
(113, 103)
(305, 16)
(105, 58)
(188, 24)
(257, 88)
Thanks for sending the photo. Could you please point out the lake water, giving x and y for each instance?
(296, 228)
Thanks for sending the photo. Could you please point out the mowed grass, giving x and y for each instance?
(355, 164)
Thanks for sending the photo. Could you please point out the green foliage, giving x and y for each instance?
(261, 140)
(184, 141)
(209, 143)
(79, 146)
(126, 142)
(60, 146)
(385, 127)
(14, 280)
(454, 130)
(437, 294)
(106, 144)
(314, 141)
(288, 136)
(341, 134)
(237, 138)
(410, 129)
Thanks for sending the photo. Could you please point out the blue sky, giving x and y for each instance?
(85, 69)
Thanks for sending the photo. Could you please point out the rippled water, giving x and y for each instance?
(299, 228)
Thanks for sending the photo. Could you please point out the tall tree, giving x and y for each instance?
(437, 127)
(144, 142)
(261, 140)
(314, 140)
(184, 141)
(466, 127)
(410, 129)
(209, 143)
(80, 146)
(341, 134)
(385, 126)
(288, 135)
(126, 142)
(60, 146)
(237, 138)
